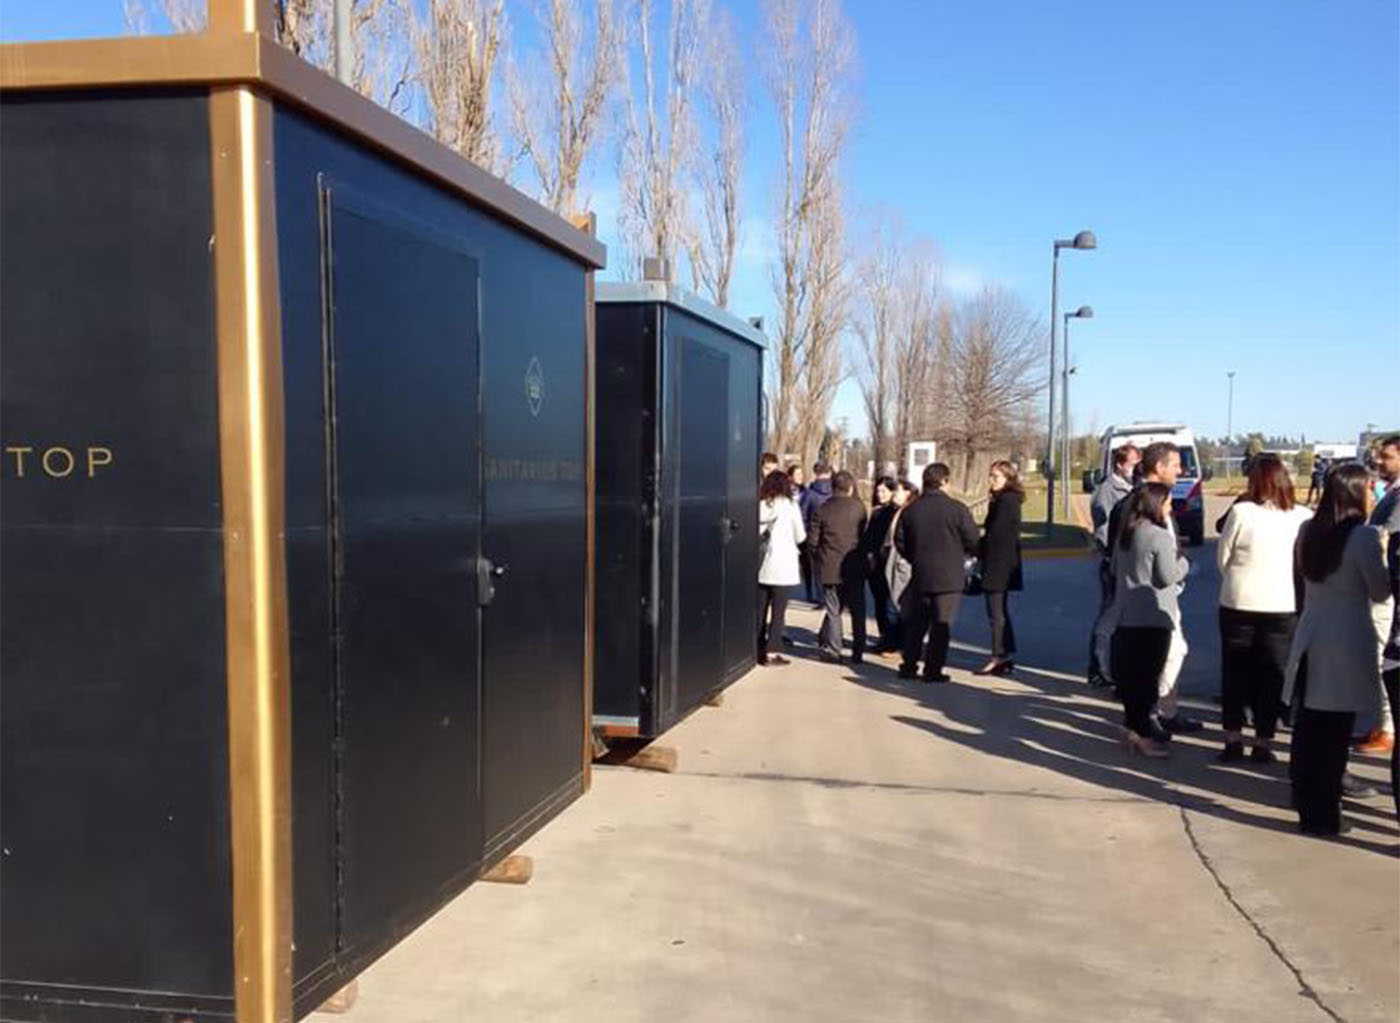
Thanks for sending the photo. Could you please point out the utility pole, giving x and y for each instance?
(1083, 312)
(1229, 421)
(344, 47)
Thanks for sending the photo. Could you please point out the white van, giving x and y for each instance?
(1188, 502)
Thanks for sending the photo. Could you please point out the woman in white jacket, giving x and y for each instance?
(1258, 604)
(780, 537)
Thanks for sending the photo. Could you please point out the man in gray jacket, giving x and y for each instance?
(1116, 486)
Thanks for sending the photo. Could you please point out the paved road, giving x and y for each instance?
(842, 846)
(1054, 614)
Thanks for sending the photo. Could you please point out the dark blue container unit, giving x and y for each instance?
(679, 398)
(428, 505)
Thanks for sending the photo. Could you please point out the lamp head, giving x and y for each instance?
(1085, 240)
(1085, 312)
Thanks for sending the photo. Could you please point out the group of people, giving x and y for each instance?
(913, 549)
(1308, 618)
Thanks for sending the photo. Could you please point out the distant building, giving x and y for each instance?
(921, 453)
(1334, 452)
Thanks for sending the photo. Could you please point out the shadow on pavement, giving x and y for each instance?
(1070, 729)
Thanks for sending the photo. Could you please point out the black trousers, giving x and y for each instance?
(1319, 758)
(771, 599)
(1391, 678)
(1253, 653)
(886, 614)
(1136, 659)
(811, 588)
(929, 615)
(999, 617)
(1097, 670)
(849, 595)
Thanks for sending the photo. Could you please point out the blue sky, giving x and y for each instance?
(1239, 161)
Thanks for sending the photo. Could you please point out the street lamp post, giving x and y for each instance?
(1084, 312)
(1083, 240)
(1229, 422)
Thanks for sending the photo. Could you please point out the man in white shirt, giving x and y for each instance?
(1386, 516)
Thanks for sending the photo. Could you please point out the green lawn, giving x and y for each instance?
(1063, 534)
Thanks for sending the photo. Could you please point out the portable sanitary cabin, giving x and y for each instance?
(295, 599)
(679, 393)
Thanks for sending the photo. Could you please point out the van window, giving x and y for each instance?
(1189, 465)
(1188, 462)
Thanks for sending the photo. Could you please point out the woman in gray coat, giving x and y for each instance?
(1147, 568)
(1333, 673)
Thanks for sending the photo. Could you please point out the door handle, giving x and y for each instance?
(487, 572)
(727, 528)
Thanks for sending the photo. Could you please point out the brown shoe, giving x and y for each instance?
(1376, 742)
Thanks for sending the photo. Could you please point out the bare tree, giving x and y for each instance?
(558, 110)
(811, 53)
(718, 164)
(877, 323)
(919, 359)
(381, 66)
(455, 46)
(380, 31)
(660, 136)
(995, 372)
(182, 16)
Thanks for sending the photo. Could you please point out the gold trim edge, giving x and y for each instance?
(252, 475)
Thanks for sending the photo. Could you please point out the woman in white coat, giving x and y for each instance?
(780, 538)
(1258, 604)
(1333, 673)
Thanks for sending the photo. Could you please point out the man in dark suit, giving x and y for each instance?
(812, 498)
(935, 535)
(838, 563)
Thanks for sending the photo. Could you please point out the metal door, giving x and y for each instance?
(741, 555)
(702, 521)
(405, 478)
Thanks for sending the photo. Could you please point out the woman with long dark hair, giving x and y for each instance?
(781, 535)
(874, 547)
(1147, 568)
(1000, 555)
(897, 571)
(1258, 605)
(1333, 672)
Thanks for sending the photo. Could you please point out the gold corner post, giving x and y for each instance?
(589, 222)
(229, 16)
(248, 331)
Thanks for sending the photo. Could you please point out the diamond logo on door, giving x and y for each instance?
(534, 386)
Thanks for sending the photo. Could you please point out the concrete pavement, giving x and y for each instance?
(1054, 613)
(841, 846)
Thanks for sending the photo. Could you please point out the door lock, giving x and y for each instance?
(487, 572)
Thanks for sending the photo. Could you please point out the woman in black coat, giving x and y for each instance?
(1000, 554)
(875, 547)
